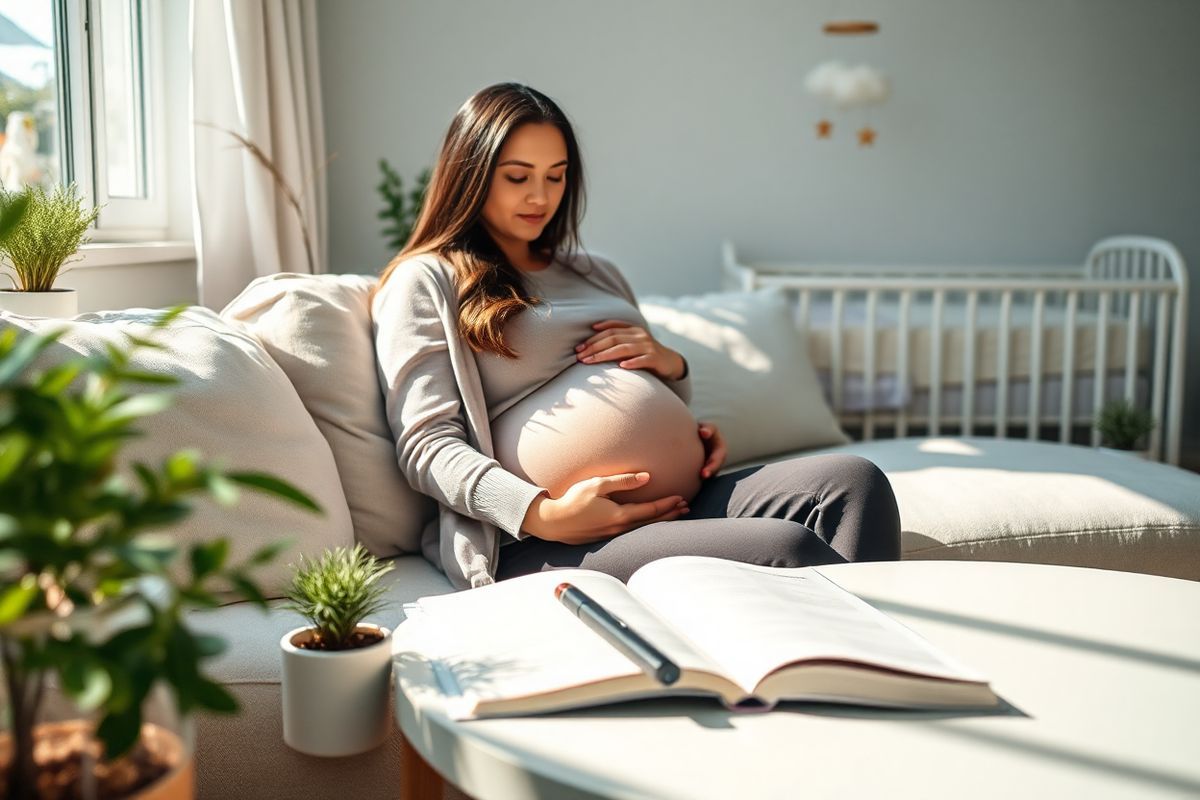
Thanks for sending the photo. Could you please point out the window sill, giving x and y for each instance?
(120, 254)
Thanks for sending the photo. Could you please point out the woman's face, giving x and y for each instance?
(526, 187)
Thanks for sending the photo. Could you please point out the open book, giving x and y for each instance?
(749, 636)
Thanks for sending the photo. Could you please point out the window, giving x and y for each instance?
(81, 101)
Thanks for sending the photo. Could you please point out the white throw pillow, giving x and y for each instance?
(750, 371)
(233, 404)
(318, 329)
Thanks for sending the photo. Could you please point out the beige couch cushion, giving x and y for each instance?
(750, 371)
(318, 329)
(1038, 502)
(231, 403)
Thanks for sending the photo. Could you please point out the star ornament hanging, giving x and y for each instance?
(866, 136)
(824, 128)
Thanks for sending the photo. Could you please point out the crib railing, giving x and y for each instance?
(1129, 281)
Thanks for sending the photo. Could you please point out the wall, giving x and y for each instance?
(155, 284)
(1018, 132)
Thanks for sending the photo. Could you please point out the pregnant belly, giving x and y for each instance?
(594, 420)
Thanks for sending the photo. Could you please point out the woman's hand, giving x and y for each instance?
(617, 339)
(714, 449)
(584, 514)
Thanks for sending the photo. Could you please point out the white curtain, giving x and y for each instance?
(255, 72)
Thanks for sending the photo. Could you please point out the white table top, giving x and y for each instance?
(1100, 671)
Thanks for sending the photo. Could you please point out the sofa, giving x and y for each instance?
(283, 379)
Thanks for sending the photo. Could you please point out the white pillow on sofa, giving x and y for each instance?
(750, 371)
(233, 404)
(318, 329)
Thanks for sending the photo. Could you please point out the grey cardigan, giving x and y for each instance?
(436, 409)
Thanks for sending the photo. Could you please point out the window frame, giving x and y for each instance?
(81, 130)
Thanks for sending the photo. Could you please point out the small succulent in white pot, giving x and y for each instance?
(50, 228)
(337, 669)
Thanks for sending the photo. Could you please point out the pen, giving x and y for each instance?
(617, 633)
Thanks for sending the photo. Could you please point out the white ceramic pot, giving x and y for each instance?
(336, 703)
(58, 303)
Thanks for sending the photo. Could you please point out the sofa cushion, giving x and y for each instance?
(233, 404)
(318, 329)
(1038, 502)
(749, 368)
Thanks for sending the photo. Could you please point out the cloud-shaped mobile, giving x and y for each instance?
(846, 85)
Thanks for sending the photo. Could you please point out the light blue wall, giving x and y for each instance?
(1017, 132)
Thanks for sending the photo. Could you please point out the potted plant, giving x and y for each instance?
(400, 211)
(1122, 425)
(92, 601)
(50, 230)
(337, 669)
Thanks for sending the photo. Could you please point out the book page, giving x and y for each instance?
(753, 620)
(515, 639)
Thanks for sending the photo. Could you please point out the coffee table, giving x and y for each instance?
(1099, 672)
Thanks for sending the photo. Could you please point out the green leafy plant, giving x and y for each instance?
(81, 540)
(18, 97)
(51, 230)
(400, 210)
(336, 592)
(1121, 424)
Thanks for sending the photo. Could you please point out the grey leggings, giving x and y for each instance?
(820, 509)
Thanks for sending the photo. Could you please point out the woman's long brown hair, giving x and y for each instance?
(490, 290)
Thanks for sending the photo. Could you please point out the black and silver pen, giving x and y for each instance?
(618, 633)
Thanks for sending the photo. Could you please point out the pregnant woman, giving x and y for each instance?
(528, 398)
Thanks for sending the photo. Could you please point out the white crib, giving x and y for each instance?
(1010, 351)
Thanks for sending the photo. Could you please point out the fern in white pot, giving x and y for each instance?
(48, 228)
(337, 669)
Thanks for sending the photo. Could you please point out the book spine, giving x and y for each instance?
(749, 704)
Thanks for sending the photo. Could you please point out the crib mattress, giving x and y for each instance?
(987, 341)
(889, 394)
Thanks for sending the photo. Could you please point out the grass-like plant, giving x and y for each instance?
(336, 592)
(400, 210)
(1122, 424)
(52, 229)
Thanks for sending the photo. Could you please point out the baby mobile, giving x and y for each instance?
(844, 86)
